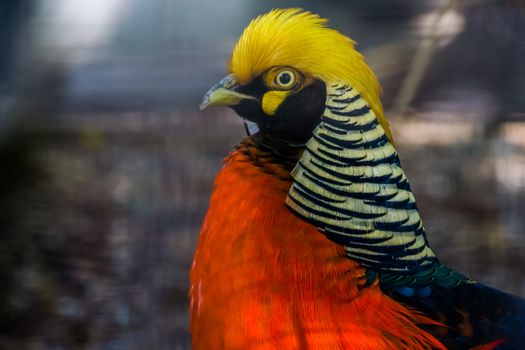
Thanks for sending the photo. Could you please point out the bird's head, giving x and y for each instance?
(281, 70)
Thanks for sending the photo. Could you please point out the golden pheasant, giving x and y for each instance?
(313, 239)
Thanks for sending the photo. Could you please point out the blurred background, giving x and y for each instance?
(106, 164)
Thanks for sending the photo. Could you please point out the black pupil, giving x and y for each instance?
(285, 78)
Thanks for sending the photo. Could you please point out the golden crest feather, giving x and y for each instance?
(300, 39)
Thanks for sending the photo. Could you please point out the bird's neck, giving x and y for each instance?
(265, 149)
(350, 184)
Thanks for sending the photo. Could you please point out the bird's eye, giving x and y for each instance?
(285, 79)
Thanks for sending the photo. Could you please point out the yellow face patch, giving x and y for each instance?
(282, 81)
(272, 100)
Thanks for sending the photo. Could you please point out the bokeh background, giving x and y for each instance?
(106, 164)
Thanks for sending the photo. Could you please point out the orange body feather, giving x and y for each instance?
(264, 279)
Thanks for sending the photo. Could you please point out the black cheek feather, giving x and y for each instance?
(300, 113)
(296, 117)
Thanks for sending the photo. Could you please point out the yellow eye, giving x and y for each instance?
(285, 79)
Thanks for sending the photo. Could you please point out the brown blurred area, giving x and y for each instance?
(106, 164)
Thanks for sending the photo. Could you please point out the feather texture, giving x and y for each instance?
(350, 184)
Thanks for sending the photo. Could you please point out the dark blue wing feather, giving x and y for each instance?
(473, 313)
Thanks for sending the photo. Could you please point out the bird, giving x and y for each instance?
(313, 239)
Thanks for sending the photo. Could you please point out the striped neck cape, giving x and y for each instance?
(350, 184)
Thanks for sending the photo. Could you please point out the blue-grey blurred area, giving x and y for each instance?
(106, 164)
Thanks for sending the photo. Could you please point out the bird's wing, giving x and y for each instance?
(473, 313)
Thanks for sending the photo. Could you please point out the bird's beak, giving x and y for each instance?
(223, 94)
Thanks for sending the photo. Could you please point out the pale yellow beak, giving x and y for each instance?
(223, 94)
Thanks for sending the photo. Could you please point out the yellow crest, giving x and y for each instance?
(300, 39)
